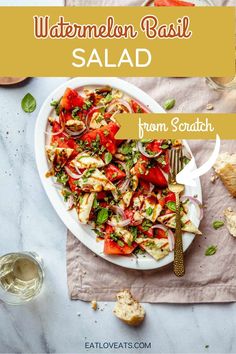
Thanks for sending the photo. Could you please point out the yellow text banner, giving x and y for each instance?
(117, 41)
(176, 126)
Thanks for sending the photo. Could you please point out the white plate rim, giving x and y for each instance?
(82, 231)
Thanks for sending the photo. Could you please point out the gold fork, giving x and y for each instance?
(176, 165)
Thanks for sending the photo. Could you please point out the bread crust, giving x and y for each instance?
(228, 176)
(128, 309)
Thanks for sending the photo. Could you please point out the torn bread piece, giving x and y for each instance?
(230, 218)
(128, 309)
(225, 168)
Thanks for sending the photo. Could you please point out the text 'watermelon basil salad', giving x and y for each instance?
(119, 187)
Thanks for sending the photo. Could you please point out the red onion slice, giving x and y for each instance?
(196, 202)
(72, 174)
(144, 152)
(120, 223)
(170, 235)
(123, 164)
(124, 186)
(151, 187)
(70, 203)
(78, 171)
(75, 134)
(90, 113)
(118, 211)
(121, 102)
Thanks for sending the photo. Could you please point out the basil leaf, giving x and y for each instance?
(108, 158)
(149, 211)
(102, 216)
(120, 243)
(211, 250)
(28, 103)
(164, 146)
(169, 104)
(217, 224)
(171, 206)
(95, 203)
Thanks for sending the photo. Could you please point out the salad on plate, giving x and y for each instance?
(118, 187)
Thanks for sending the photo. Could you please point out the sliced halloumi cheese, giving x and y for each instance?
(75, 125)
(138, 201)
(85, 207)
(86, 160)
(134, 182)
(151, 209)
(95, 181)
(137, 216)
(97, 121)
(157, 248)
(187, 224)
(127, 196)
(58, 156)
(124, 234)
(164, 218)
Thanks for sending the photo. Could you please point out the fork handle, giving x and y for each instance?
(178, 251)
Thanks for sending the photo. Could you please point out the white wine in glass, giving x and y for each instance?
(21, 277)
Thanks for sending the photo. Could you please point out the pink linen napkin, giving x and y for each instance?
(207, 279)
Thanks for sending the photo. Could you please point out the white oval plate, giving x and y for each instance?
(69, 218)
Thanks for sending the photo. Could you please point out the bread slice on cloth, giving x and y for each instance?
(230, 218)
(128, 309)
(225, 168)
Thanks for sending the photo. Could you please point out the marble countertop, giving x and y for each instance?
(52, 323)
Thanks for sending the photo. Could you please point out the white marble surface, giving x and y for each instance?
(50, 323)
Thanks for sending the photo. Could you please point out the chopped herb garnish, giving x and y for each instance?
(217, 224)
(165, 146)
(62, 177)
(211, 250)
(139, 250)
(185, 160)
(120, 243)
(146, 225)
(149, 211)
(114, 236)
(171, 206)
(126, 149)
(108, 158)
(87, 104)
(108, 98)
(169, 104)
(66, 194)
(75, 111)
(95, 203)
(88, 173)
(134, 232)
